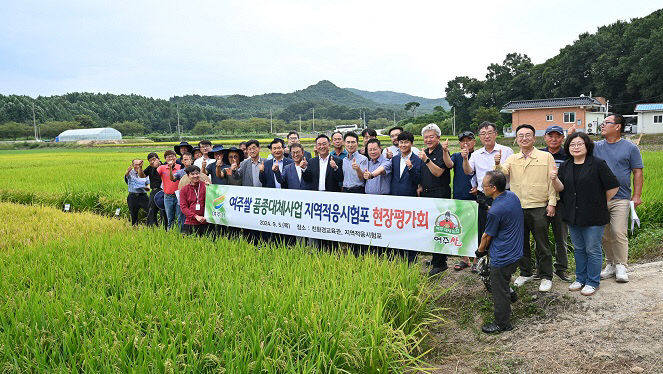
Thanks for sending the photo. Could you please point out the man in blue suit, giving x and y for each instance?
(406, 174)
(277, 162)
(406, 168)
(291, 177)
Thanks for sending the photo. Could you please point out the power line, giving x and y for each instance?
(638, 101)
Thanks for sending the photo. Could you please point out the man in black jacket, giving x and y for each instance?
(155, 186)
(324, 171)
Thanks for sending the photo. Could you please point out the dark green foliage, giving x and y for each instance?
(621, 62)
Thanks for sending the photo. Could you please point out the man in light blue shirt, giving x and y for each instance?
(378, 175)
(138, 185)
(353, 165)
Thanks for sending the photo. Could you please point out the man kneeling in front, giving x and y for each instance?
(504, 238)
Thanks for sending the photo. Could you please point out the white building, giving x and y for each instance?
(102, 133)
(650, 118)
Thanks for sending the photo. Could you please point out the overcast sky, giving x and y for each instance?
(166, 48)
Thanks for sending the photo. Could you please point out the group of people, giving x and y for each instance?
(575, 186)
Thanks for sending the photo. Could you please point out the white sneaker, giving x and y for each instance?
(588, 290)
(620, 273)
(546, 285)
(608, 272)
(522, 280)
(575, 286)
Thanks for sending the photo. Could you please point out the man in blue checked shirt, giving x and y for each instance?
(378, 173)
(138, 186)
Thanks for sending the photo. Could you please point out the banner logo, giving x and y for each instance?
(218, 202)
(447, 223)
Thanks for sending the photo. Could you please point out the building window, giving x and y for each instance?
(569, 117)
(658, 119)
(549, 117)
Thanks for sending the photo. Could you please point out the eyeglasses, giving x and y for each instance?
(487, 133)
(525, 136)
(608, 123)
(576, 145)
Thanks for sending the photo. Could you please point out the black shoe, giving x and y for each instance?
(495, 328)
(514, 296)
(435, 271)
(562, 275)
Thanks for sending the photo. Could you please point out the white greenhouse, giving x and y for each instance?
(102, 133)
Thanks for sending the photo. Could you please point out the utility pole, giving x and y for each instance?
(271, 123)
(454, 124)
(34, 122)
(394, 118)
(177, 107)
(300, 123)
(313, 119)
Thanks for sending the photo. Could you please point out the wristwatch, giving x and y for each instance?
(427, 161)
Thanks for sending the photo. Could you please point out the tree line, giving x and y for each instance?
(621, 62)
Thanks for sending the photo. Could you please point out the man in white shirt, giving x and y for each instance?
(205, 148)
(482, 161)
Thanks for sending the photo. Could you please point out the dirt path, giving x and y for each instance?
(618, 330)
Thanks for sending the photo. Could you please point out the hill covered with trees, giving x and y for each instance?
(621, 62)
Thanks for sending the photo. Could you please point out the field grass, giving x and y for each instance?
(126, 299)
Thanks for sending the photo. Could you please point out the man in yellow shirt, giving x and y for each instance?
(529, 172)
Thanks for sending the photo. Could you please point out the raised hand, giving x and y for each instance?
(261, 167)
(464, 152)
(445, 145)
(408, 163)
(571, 130)
(233, 167)
(303, 163)
(275, 167)
(553, 172)
(498, 157)
(389, 154)
(354, 164)
(423, 156)
(367, 175)
(204, 164)
(332, 163)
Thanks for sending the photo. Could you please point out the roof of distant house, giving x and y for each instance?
(649, 107)
(552, 103)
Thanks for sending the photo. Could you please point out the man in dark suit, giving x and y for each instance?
(278, 162)
(324, 171)
(406, 174)
(291, 178)
(293, 138)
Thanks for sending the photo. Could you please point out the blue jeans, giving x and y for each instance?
(171, 205)
(588, 253)
(180, 216)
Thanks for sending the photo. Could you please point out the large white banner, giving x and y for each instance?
(415, 223)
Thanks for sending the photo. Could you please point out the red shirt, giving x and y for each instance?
(191, 195)
(169, 187)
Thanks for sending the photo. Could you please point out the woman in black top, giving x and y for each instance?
(586, 184)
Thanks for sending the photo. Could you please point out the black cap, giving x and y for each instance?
(466, 134)
(152, 155)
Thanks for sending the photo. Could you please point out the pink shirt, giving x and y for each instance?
(169, 187)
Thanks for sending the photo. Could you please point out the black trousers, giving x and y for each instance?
(358, 189)
(199, 230)
(484, 203)
(500, 278)
(153, 211)
(560, 232)
(439, 260)
(536, 222)
(136, 201)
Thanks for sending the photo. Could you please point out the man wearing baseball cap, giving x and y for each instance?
(554, 138)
